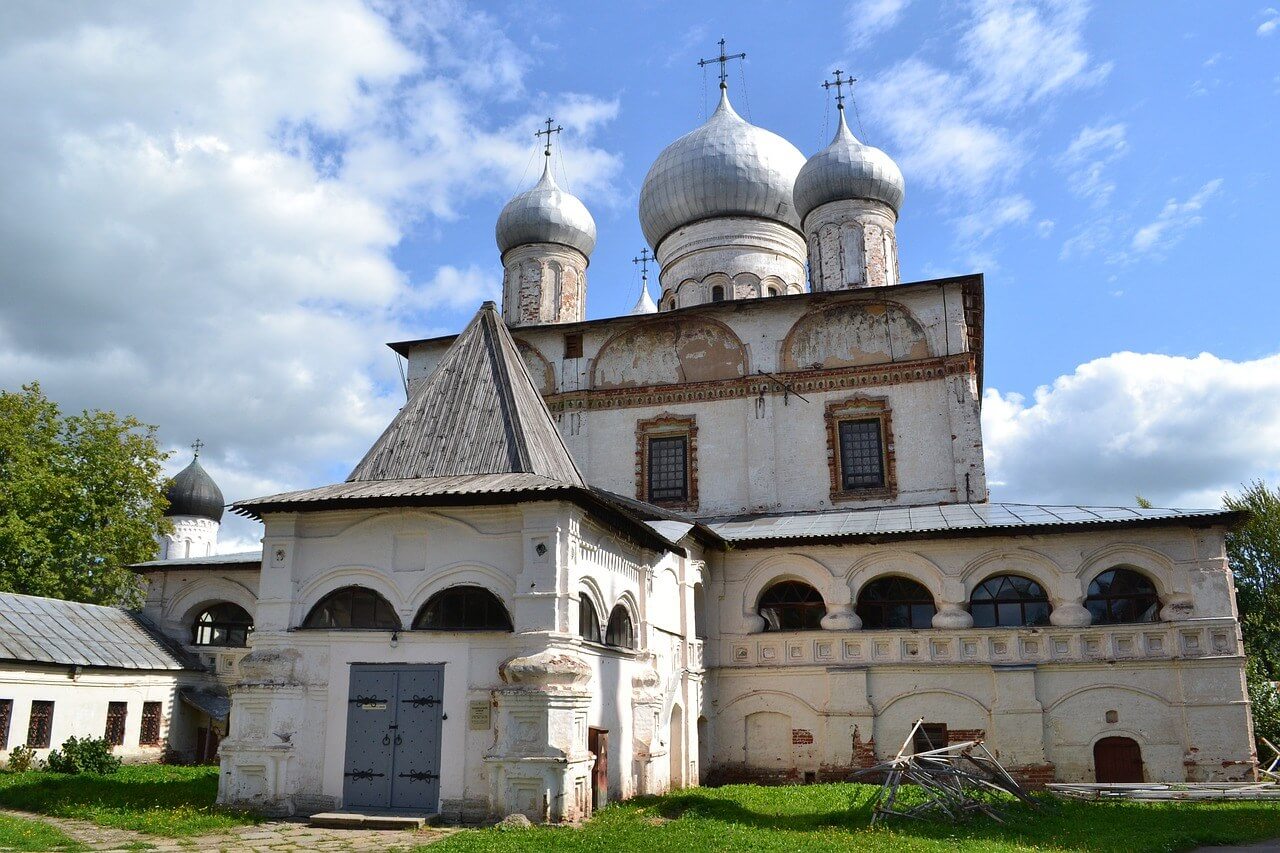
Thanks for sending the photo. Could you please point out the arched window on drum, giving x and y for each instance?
(1119, 596)
(1009, 601)
(792, 606)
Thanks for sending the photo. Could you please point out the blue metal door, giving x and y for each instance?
(371, 709)
(393, 737)
(416, 784)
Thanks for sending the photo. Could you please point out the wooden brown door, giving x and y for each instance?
(598, 745)
(1117, 759)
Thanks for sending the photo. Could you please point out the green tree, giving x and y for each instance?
(1253, 550)
(81, 497)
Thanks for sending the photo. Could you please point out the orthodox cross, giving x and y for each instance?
(196, 445)
(643, 261)
(839, 85)
(723, 59)
(547, 133)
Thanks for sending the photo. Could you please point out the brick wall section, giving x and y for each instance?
(864, 752)
(801, 737)
(1033, 776)
(962, 735)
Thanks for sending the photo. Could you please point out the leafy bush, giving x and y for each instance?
(1265, 701)
(21, 759)
(83, 755)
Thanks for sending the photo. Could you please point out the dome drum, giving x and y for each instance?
(732, 246)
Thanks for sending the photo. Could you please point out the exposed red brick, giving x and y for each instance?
(801, 737)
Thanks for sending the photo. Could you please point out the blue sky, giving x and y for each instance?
(217, 213)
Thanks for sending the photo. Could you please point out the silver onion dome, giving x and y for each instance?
(727, 167)
(546, 214)
(847, 169)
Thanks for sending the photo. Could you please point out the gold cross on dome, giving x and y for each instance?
(723, 59)
(547, 133)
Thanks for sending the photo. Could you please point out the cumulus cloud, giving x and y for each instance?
(1179, 431)
(1087, 157)
(202, 201)
(866, 19)
(1174, 220)
(1000, 213)
(1270, 23)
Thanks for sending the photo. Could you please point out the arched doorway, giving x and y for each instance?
(676, 751)
(1117, 759)
(704, 750)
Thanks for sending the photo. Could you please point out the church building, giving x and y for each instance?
(742, 533)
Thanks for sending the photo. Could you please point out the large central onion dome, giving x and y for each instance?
(847, 169)
(193, 492)
(727, 167)
(546, 214)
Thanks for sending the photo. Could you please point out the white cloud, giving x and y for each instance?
(1272, 22)
(866, 19)
(1000, 213)
(201, 203)
(1178, 431)
(1045, 227)
(1022, 51)
(1174, 220)
(1087, 157)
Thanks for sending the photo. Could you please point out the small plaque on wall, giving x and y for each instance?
(479, 715)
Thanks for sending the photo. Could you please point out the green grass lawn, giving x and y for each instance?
(20, 834)
(836, 816)
(168, 801)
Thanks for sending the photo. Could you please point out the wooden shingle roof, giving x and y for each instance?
(478, 413)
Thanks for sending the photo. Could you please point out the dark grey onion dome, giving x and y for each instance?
(546, 214)
(193, 492)
(847, 169)
(727, 167)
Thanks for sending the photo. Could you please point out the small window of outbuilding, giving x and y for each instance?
(620, 631)
(150, 735)
(792, 606)
(6, 717)
(353, 607)
(463, 608)
(117, 713)
(40, 727)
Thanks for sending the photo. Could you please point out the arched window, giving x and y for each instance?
(353, 607)
(1122, 595)
(463, 608)
(1007, 601)
(792, 606)
(588, 620)
(772, 291)
(224, 624)
(717, 293)
(620, 632)
(895, 602)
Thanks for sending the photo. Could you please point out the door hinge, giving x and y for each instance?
(420, 777)
(362, 775)
(420, 701)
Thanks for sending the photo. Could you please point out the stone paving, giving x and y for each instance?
(276, 836)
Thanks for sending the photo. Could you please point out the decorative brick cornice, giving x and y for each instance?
(860, 407)
(667, 425)
(802, 381)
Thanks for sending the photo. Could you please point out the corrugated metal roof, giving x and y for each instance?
(48, 630)
(215, 703)
(218, 561)
(421, 487)
(933, 520)
(478, 413)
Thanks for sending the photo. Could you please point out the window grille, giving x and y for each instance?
(117, 712)
(668, 469)
(224, 624)
(40, 728)
(861, 454)
(620, 632)
(6, 717)
(588, 620)
(1119, 596)
(150, 735)
(1006, 601)
(463, 608)
(353, 607)
(895, 602)
(792, 606)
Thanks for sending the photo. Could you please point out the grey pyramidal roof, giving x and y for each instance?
(478, 413)
(48, 630)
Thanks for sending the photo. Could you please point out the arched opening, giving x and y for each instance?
(223, 624)
(1009, 601)
(463, 608)
(792, 606)
(704, 750)
(676, 751)
(717, 293)
(1117, 759)
(620, 632)
(588, 620)
(699, 612)
(771, 291)
(895, 602)
(353, 607)
(1120, 596)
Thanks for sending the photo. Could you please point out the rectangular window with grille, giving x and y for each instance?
(6, 716)
(40, 729)
(150, 735)
(668, 469)
(861, 454)
(116, 714)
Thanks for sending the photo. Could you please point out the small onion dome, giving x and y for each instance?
(645, 304)
(193, 492)
(847, 169)
(727, 167)
(546, 214)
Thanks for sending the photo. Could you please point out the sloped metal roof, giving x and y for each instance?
(48, 630)
(418, 487)
(478, 413)
(934, 521)
(240, 559)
